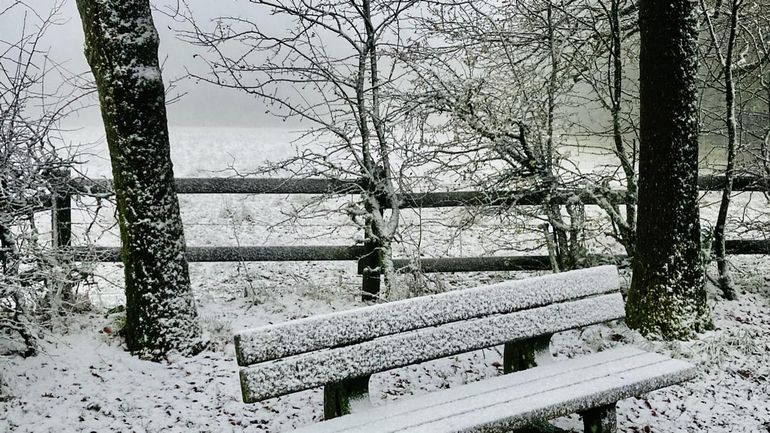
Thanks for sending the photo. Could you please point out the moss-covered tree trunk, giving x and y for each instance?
(122, 49)
(667, 295)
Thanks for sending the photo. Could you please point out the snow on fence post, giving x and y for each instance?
(61, 211)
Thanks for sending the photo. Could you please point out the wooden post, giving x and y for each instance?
(369, 264)
(61, 236)
(61, 213)
(521, 355)
(337, 396)
(602, 419)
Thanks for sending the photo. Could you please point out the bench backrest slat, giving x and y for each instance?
(309, 370)
(363, 324)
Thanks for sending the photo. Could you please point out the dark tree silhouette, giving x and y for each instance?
(667, 295)
(122, 49)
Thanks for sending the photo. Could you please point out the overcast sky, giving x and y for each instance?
(204, 104)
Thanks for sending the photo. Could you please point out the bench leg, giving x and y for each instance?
(600, 420)
(337, 396)
(521, 355)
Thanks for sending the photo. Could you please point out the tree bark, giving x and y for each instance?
(667, 295)
(122, 50)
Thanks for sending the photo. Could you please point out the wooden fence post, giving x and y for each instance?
(61, 237)
(369, 265)
(61, 213)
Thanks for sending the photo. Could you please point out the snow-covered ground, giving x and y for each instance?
(83, 380)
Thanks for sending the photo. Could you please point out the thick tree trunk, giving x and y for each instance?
(667, 295)
(122, 49)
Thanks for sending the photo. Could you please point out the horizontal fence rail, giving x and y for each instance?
(234, 185)
(245, 185)
(318, 253)
(521, 197)
(240, 254)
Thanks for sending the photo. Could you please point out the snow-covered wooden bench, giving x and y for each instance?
(340, 351)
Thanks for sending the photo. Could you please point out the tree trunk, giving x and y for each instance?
(628, 235)
(667, 295)
(122, 49)
(725, 279)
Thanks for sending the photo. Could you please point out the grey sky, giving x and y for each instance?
(204, 104)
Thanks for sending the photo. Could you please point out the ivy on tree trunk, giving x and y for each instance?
(667, 295)
(122, 50)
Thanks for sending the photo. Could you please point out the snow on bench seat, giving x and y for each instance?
(313, 369)
(517, 399)
(352, 326)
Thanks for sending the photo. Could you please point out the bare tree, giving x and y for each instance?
(734, 101)
(35, 277)
(334, 67)
(608, 68)
(753, 71)
(505, 79)
(724, 53)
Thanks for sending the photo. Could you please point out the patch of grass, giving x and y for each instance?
(218, 332)
(722, 346)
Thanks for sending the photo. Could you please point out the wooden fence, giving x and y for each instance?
(62, 221)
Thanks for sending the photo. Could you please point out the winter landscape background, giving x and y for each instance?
(84, 379)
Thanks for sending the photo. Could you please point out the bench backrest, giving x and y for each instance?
(307, 353)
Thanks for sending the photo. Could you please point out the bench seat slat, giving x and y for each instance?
(362, 324)
(514, 400)
(309, 370)
(407, 405)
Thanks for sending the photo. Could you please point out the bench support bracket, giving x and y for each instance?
(337, 396)
(521, 355)
(602, 419)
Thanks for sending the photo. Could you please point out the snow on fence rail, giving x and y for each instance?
(330, 186)
(62, 222)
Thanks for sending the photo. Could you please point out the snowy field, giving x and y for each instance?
(83, 380)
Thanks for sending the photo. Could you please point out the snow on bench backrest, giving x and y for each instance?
(362, 324)
(309, 370)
